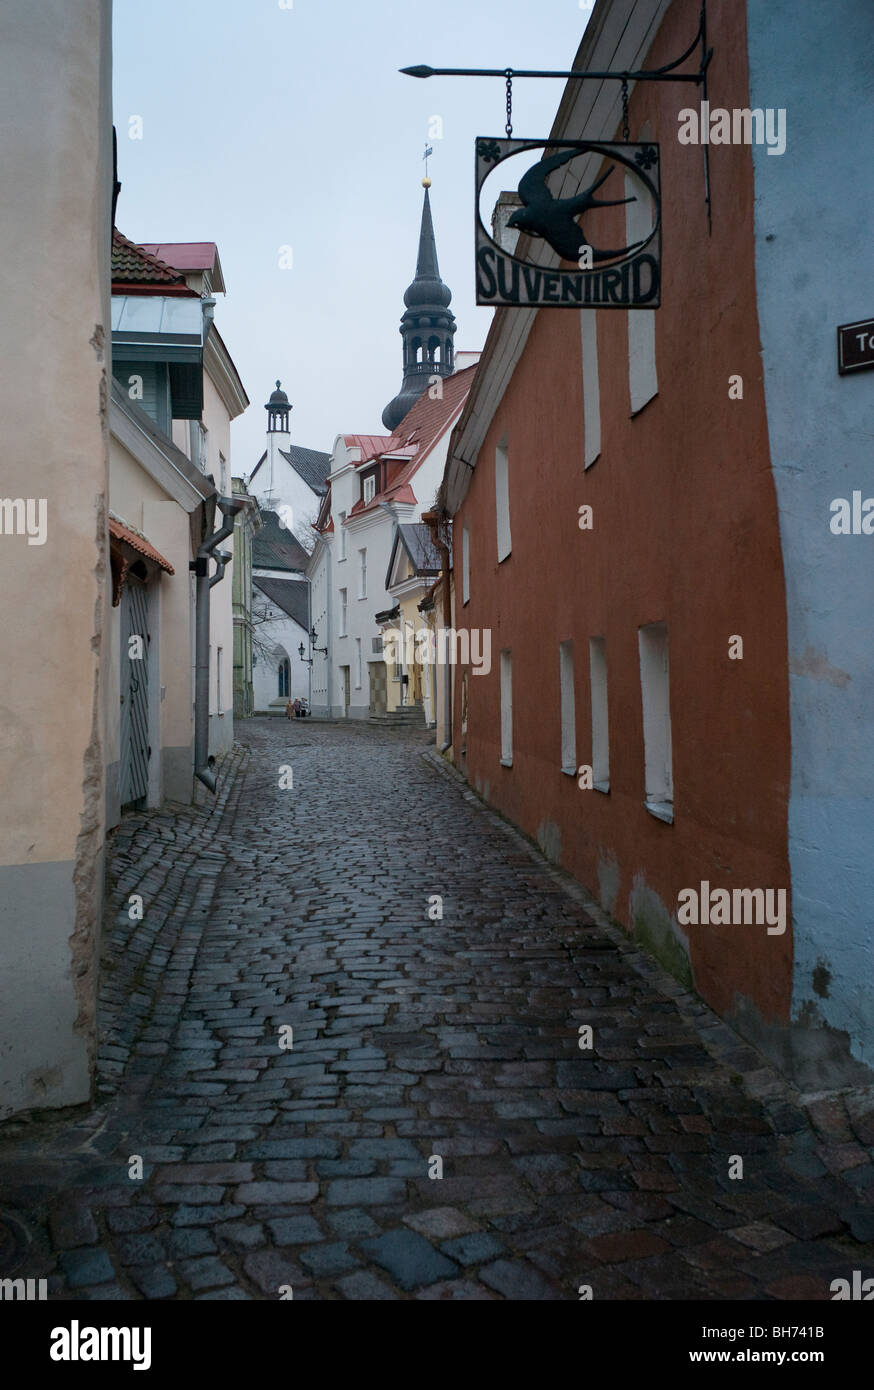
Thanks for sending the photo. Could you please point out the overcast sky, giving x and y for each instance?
(266, 127)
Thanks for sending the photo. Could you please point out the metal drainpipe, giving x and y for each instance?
(203, 763)
(432, 520)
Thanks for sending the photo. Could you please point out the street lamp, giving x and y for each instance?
(314, 637)
(307, 660)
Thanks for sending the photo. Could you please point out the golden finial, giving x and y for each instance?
(426, 183)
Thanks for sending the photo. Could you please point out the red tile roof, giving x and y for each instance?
(137, 541)
(184, 255)
(424, 424)
(420, 430)
(132, 264)
(371, 445)
(191, 257)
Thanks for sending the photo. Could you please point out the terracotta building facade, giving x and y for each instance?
(622, 493)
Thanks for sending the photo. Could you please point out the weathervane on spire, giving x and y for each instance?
(429, 150)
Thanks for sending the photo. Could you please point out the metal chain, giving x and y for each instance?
(625, 131)
(509, 125)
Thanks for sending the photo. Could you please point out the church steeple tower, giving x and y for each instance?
(427, 326)
(278, 436)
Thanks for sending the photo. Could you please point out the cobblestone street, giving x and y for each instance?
(413, 1040)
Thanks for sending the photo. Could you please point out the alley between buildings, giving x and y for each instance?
(419, 1045)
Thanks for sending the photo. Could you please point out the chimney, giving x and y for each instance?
(505, 236)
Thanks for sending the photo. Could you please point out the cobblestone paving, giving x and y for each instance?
(413, 1040)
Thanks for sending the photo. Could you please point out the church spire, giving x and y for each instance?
(427, 326)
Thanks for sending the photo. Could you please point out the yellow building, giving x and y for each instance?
(408, 630)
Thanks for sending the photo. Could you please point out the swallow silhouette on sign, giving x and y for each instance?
(555, 219)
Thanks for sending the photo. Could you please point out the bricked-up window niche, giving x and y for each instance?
(465, 565)
(642, 377)
(591, 386)
(506, 709)
(655, 690)
(502, 501)
(568, 708)
(600, 730)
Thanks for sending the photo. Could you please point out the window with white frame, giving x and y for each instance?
(219, 653)
(655, 690)
(357, 663)
(568, 708)
(502, 501)
(506, 709)
(362, 572)
(341, 536)
(465, 565)
(343, 610)
(369, 488)
(223, 474)
(600, 728)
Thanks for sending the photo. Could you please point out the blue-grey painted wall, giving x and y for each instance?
(814, 225)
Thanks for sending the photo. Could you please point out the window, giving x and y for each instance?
(506, 710)
(369, 488)
(502, 501)
(600, 744)
(591, 386)
(342, 535)
(362, 573)
(223, 475)
(655, 689)
(343, 608)
(202, 448)
(642, 380)
(219, 653)
(357, 663)
(284, 678)
(568, 709)
(465, 565)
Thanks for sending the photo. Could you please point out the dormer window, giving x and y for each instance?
(370, 488)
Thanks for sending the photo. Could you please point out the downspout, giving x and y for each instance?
(203, 763)
(329, 624)
(312, 653)
(432, 521)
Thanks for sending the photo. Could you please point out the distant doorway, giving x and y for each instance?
(284, 678)
(378, 687)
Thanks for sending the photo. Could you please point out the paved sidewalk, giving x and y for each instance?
(417, 1044)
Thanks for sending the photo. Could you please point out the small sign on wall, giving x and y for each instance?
(855, 346)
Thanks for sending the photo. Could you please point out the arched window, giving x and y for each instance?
(284, 678)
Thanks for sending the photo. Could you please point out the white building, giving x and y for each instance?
(280, 614)
(174, 393)
(377, 483)
(288, 478)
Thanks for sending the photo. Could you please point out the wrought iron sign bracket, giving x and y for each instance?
(663, 74)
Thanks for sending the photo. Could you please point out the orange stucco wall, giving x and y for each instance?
(685, 532)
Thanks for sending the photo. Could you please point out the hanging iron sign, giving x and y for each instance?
(558, 203)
